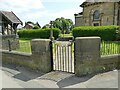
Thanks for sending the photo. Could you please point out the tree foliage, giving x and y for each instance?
(65, 25)
(46, 26)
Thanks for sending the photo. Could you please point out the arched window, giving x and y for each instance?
(96, 15)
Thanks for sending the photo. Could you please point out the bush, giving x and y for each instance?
(107, 33)
(39, 33)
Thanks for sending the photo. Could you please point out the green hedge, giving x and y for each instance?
(38, 33)
(107, 33)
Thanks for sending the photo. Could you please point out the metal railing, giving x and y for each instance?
(110, 47)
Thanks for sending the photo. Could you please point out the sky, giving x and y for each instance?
(42, 11)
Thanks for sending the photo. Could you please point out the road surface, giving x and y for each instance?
(14, 79)
(19, 77)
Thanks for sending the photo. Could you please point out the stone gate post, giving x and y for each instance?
(41, 55)
(87, 54)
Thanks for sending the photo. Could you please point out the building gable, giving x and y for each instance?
(98, 13)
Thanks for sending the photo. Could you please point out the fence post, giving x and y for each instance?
(87, 54)
(9, 45)
(51, 54)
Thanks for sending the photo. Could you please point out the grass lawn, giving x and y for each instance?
(24, 46)
(66, 35)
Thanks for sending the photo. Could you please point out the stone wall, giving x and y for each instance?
(39, 59)
(13, 39)
(88, 60)
(109, 62)
(19, 58)
(87, 54)
(87, 57)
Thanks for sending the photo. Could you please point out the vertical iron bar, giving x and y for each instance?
(112, 48)
(117, 47)
(105, 51)
(102, 48)
(108, 47)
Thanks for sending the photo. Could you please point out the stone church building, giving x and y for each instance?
(98, 14)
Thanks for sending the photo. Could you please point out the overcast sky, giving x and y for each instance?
(42, 11)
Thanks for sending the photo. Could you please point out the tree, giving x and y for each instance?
(36, 27)
(46, 26)
(37, 24)
(65, 25)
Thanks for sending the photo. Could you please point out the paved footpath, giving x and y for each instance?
(19, 77)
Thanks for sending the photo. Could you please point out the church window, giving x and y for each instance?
(96, 15)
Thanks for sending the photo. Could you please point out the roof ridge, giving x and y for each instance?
(11, 17)
(17, 17)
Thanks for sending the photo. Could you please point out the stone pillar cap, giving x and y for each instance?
(88, 37)
(40, 39)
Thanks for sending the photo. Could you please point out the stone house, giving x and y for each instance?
(98, 14)
(31, 25)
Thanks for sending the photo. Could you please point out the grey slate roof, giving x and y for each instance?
(11, 17)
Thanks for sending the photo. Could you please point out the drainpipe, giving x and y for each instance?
(118, 18)
(114, 15)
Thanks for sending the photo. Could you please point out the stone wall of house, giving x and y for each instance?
(79, 21)
(107, 11)
(11, 41)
